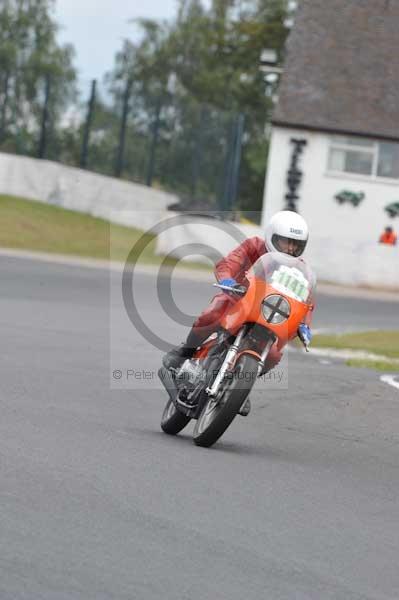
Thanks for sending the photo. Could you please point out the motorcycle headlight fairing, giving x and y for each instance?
(276, 309)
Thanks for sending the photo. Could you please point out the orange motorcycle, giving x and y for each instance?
(214, 385)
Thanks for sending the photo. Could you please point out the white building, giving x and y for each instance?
(336, 134)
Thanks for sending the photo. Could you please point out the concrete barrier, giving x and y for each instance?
(354, 263)
(119, 201)
(340, 262)
(344, 263)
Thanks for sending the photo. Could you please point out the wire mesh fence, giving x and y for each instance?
(164, 140)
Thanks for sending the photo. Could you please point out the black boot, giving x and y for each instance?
(176, 357)
(245, 408)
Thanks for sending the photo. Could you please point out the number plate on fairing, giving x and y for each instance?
(291, 282)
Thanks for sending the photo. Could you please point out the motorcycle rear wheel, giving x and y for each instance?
(216, 416)
(173, 421)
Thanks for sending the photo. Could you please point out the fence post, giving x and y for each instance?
(154, 142)
(237, 159)
(228, 166)
(45, 115)
(89, 120)
(122, 133)
(4, 106)
(197, 153)
(232, 165)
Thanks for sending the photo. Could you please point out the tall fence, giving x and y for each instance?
(177, 144)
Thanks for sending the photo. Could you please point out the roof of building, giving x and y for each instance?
(342, 68)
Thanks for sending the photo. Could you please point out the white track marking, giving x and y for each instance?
(390, 380)
(328, 353)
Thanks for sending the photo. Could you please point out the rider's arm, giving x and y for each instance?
(308, 318)
(239, 260)
(304, 330)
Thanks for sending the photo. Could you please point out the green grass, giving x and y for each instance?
(383, 343)
(29, 225)
(377, 342)
(377, 365)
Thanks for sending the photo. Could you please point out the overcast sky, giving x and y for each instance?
(96, 28)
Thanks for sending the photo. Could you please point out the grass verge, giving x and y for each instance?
(380, 343)
(377, 365)
(30, 225)
(377, 342)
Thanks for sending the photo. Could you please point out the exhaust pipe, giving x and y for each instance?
(170, 386)
(168, 383)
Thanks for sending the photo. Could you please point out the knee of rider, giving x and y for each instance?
(206, 321)
(210, 317)
(274, 356)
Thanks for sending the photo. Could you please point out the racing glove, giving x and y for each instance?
(305, 334)
(231, 283)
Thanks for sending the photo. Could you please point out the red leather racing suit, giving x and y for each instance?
(234, 266)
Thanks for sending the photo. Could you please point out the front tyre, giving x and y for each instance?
(216, 416)
(173, 421)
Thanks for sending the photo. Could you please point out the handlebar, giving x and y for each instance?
(241, 290)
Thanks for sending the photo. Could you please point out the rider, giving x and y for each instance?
(287, 232)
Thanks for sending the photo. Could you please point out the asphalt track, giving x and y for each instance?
(298, 502)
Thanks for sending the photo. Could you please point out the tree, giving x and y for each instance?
(30, 54)
(212, 56)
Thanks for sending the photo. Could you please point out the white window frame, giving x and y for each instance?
(373, 150)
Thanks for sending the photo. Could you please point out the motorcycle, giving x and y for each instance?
(213, 386)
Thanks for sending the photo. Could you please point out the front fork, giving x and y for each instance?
(230, 360)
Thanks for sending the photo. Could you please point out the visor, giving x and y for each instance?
(289, 245)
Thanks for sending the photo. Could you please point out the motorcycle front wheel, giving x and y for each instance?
(217, 415)
(173, 421)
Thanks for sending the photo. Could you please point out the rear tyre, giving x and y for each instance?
(173, 421)
(216, 416)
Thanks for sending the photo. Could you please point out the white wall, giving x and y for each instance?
(118, 201)
(378, 267)
(342, 247)
(218, 238)
(343, 243)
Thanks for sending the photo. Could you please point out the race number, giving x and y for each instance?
(292, 282)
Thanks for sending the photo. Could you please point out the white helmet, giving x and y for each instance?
(287, 232)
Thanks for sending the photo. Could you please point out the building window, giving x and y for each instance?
(388, 160)
(364, 157)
